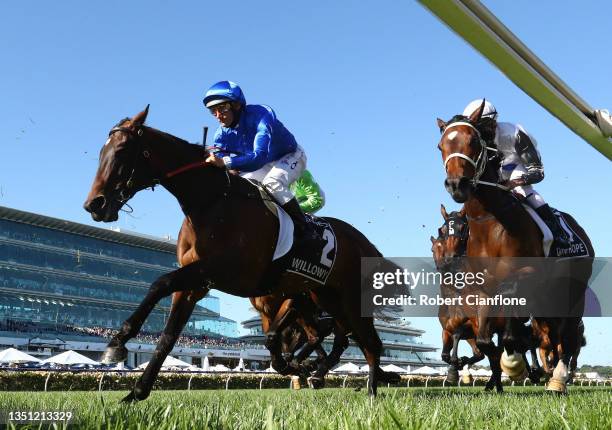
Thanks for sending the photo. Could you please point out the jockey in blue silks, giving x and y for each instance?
(252, 141)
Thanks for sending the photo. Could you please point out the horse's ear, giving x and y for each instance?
(443, 212)
(433, 239)
(441, 125)
(140, 118)
(475, 116)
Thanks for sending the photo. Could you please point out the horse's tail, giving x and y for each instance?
(368, 249)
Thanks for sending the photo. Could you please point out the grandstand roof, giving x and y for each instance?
(123, 237)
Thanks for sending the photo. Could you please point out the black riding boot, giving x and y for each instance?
(303, 228)
(553, 224)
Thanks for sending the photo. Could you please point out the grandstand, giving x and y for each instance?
(65, 285)
(68, 285)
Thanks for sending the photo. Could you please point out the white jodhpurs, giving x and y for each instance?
(534, 199)
(277, 175)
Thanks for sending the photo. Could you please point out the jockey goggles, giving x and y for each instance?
(220, 108)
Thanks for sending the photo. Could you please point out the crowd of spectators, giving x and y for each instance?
(185, 341)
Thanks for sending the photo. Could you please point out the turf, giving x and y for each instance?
(405, 408)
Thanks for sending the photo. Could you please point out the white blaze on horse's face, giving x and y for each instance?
(458, 145)
(107, 141)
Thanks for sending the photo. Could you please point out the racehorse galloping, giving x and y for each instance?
(458, 321)
(500, 227)
(291, 323)
(227, 241)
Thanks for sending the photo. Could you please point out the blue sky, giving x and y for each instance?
(360, 84)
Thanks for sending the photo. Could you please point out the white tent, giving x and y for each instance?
(69, 358)
(481, 372)
(270, 369)
(12, 355)
(206, 364)
(425, 370)
(347, 368)
(219, 368)
(240, 367)
(393, 368)
(169, 363)
(365, 368)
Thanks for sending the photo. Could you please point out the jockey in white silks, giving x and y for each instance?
(520, 162)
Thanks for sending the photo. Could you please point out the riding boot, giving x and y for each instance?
(551, 220)
(303, 227)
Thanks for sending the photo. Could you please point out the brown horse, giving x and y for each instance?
(226, 241)
(458, 321)
(501, 228)
(295, 323)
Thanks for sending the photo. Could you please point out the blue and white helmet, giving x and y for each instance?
(222, 92)
(489, 110)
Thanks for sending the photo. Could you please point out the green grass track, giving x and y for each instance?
(395, 408)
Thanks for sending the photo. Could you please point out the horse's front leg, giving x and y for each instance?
(179, 280)
(453, 370)
(477, 355)
(341, 342)
(182, 307)
(283, 318)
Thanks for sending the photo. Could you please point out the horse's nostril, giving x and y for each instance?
(95, 204)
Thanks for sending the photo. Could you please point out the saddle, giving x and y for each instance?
(312, 260)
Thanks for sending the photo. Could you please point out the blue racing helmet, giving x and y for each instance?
(222, 92)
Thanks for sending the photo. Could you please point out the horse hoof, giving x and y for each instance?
(114, 354)
(452, 377)
(316, 382)
(130, 398)
(514, 366)
(556, 386)
(137, 394)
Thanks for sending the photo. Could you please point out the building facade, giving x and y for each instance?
(65, 279)
(401, 344)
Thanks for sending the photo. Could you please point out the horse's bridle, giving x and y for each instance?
(134, 134)
(480, 163)
(452, 230)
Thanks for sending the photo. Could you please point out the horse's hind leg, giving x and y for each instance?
(164, 286)
(182, 307)
(341, 342)
(366, 336)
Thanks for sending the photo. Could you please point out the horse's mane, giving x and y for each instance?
(168, 136)
(178, 140)
(458, 118)
(121, 122)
